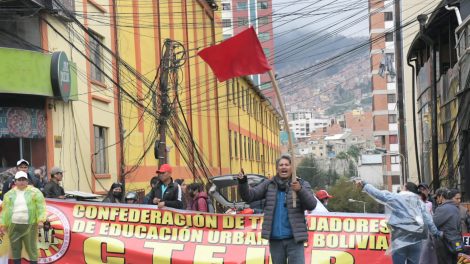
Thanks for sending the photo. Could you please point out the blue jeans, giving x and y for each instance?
(407, 255)
(284, 250)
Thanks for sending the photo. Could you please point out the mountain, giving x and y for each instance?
(314, 72)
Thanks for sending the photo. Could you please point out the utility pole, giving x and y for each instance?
(400, 95)
(165, 108)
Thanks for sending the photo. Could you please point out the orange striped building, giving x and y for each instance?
(232, 123)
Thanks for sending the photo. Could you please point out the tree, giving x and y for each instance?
(354, 152)
(308, 170)
(344, 190)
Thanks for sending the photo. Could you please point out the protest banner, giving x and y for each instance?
(113, 233)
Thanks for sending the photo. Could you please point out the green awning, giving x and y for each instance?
(29, 72)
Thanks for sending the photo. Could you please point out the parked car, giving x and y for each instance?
(224, 186)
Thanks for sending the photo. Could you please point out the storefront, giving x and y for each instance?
(30, 82)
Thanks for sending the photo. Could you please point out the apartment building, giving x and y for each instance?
(384, 93)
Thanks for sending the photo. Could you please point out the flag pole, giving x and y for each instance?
(290, 146)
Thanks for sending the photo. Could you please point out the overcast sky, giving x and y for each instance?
(347, 17)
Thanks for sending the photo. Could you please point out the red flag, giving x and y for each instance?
(237, 56)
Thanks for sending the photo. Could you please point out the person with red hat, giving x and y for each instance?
(323, 196)
(166, 193)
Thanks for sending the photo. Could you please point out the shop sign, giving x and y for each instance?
(60, 76)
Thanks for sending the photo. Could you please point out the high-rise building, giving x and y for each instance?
(384, 96)
(238, 15)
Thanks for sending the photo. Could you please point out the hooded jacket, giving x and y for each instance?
(199, 203)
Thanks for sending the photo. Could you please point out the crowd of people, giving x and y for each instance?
(425, 228)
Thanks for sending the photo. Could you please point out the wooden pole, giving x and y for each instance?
(290, 145)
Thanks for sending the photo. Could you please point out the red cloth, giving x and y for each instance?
(237, 56)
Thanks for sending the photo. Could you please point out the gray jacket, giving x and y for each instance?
(447, 219)
(268, 189)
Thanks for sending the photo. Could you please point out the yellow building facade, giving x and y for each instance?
(232, 123)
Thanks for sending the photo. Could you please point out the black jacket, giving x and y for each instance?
(268, 189)
(53, 190)
(173, 196)
(447, 219)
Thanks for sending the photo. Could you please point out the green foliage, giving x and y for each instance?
(354, 152)
(342, 156)
(344, 190)
(308, 170)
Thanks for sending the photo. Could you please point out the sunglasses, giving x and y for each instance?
(21, 179)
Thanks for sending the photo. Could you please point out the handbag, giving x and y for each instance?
(454, 245)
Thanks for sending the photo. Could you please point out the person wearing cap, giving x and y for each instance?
(52, 188)
(21, 165)
(23, 212)
(166, 193)
(323, 196)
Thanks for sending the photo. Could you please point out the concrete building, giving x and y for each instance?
(302, 128)
(370, 168)
(384, 96)
(238, 15)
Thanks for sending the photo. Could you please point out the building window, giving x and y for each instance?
(243, 98)
(248, 102)
(238, 94)
(391, 98)
(234, 99)
(263, 5)
(388, 16)
(226, 22)
(226, 36)
(230, 143)
(100, 157)
(388, 37)
(242, 6)
(241, 145)
(263, 20)
(225, 6)
(245, 145)
(242, 21)
(235, 145)
(263, 36)
(96, 57)
(392, 119)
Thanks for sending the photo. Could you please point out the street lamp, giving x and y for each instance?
(357, 201)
